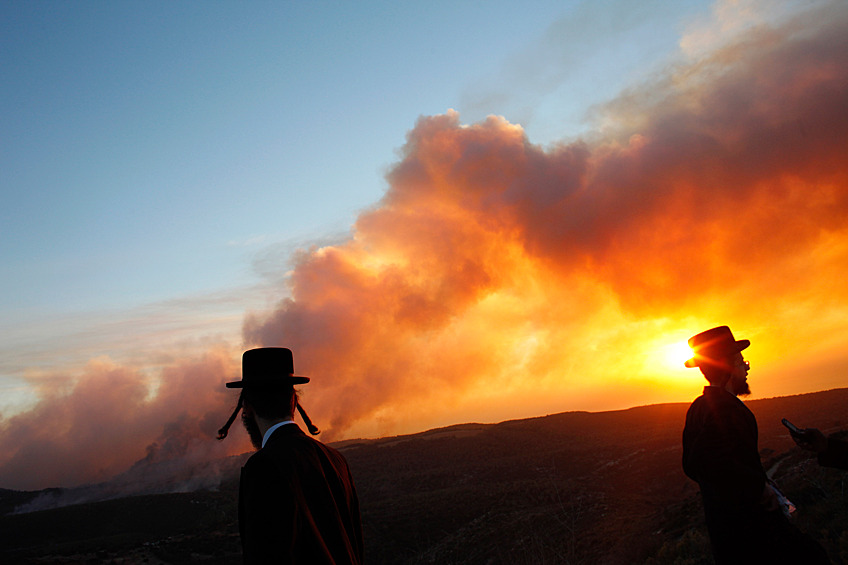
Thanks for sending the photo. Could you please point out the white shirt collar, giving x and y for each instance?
(272, 429)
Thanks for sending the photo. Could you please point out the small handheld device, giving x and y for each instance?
(793, 429)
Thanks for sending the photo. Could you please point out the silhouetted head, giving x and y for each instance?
(272, 405)
(268, 381)
(267, 368)
(267, 385)
(719, 357)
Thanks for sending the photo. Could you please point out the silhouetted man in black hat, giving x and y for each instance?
(743, 513)
(297, 501)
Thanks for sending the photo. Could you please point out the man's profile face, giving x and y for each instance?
(739, 375)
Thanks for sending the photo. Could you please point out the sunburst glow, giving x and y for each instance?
(675, 354)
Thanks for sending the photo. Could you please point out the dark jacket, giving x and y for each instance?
(720, 450)
(298, 503)
(720, 453)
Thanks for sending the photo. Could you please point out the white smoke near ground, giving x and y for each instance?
(102, 424)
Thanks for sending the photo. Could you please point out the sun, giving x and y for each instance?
(675, 354)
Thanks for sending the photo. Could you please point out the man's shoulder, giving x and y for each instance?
(282, 440)
(308, 443)
(295, 455)
(715, 400)
(720, 406)
(266, 467)
(292, 439)
(259, 458)
(716, 396)
(700, 401)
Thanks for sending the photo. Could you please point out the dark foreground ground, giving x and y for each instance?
(573, 488)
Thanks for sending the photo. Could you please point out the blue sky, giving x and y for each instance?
(161, 160)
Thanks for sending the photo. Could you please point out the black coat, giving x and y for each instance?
(298, 503)
(720, 453)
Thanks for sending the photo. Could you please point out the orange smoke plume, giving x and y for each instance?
(495, 270)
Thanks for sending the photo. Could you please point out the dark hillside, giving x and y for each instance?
(572, 488)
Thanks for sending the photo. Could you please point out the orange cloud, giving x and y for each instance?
(496, 267)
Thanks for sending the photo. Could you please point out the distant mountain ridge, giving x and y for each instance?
(575, 487)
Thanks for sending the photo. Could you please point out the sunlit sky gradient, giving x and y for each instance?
(451, 212)
(160, 161)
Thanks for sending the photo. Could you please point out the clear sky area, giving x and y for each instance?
(450, 211)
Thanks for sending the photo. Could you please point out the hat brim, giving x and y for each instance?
(739, 345)
(291, 380)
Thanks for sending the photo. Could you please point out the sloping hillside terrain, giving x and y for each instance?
(571, 488)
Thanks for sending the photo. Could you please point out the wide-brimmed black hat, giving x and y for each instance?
(714, 345)
(267, 367)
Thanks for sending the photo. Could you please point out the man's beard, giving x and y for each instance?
(252, 430)
(742, 389)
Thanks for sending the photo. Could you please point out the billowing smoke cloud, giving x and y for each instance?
(111, 419)
(500, 279)
(494, 266)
